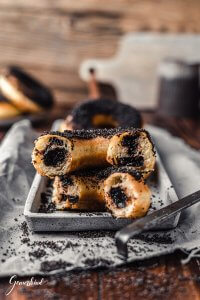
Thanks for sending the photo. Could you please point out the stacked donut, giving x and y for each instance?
(97, 169)
(20, 93)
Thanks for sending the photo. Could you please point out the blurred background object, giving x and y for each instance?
(50, 39)
(93, 87)
(178, 92)
(22, 96)
(133, 71)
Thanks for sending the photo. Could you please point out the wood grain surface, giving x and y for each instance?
(50, 39)
(161, 278)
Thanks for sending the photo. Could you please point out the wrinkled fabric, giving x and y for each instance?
(23, 252)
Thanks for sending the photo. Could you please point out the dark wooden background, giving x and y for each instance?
(50, 39)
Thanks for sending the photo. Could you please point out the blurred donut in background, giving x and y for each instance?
(103, 113)
(23, 92)
(7, 110)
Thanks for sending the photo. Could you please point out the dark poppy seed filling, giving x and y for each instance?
(131, 142)
(73, 199)
(70, 198)
(54, 157)
(64, 197)
(66, 180)
(137, 161)
(118, 196)
(54, 140)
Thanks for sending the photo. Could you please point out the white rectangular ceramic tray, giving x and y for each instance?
(162, 190)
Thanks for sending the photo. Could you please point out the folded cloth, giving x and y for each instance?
(23, 252)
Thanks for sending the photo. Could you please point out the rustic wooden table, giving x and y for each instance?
(50, 39)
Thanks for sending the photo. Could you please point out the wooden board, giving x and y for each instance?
(134, 70)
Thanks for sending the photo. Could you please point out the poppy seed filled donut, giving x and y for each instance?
(24, 91)
(132, 148)
(58, 153)
(125, 196)
(84, 190)
(103, 113)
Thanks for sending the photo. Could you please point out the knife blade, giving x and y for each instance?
(122, 236)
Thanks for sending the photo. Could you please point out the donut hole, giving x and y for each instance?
(104, 121)
(118, 196)
(117, 188)
(116, 192)
(54, 157)
(55, 152)
(52, 154)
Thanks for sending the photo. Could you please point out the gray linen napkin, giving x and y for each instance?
(26, 253)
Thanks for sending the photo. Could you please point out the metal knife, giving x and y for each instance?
(122, 236)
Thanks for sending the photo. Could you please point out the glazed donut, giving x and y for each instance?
(7, 110)
(24, 91)
(102, 113)
(57, 153)
(125, 196)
